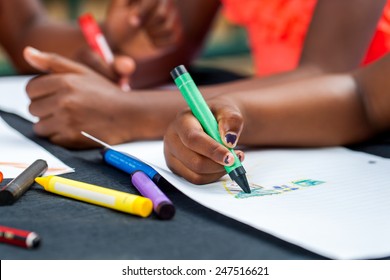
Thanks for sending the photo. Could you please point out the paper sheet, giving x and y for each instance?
(17, 153)
(334, 202)
(14, 98)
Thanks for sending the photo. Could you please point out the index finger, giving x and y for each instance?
(51, 62)
(193, 137)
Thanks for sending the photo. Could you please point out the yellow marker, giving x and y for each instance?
(121, 201)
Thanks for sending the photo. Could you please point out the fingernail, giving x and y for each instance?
(34, 51)
(125, 87)
(229, 159)
(134, 20)
(231, 139)
(241, 156)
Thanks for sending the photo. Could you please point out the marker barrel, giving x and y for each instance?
(200, 109)
(95, 37)
(129, 164)
(121, 201)
(18, 186)
(18, 237)
(203, 114)
(161, 203)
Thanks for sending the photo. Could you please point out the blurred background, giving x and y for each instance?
(226, 47)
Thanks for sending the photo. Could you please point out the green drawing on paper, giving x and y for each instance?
(307, 183)
(257, 190)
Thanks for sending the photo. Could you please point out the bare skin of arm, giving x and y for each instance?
(334, 43)
(196, 17)
(25, 22)
(74, 98)
(158, 108)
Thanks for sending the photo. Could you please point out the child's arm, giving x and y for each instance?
(323, 111)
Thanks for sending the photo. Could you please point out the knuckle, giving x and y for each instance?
(30, 88)
(192, 136)
(31, 108)
(67, 82)
(215, 151)
(197, 164)
(197, 179)
(236, 117)
(65, 103)
(54, 58)
(38, 128)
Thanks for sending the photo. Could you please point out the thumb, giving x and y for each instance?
(230, 122)
(124, 66)
(50, 62)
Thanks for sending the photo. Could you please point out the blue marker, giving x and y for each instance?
(130, 164)
(126, 162)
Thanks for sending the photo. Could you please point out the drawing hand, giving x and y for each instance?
(120, 71)
(192, 154)
(73, 98)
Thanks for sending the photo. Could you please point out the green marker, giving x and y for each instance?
(203, 113)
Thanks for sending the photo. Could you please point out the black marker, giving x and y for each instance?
(18, 186)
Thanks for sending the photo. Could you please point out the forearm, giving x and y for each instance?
(373, 85)
(61, 38)
(149, 112)
(339, 44)
(155, 70)
(256, 83)
(196, 18)
(25, 22)
(320, 112)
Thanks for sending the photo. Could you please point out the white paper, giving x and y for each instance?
(13, 96)
(17, 153)
(344, 215)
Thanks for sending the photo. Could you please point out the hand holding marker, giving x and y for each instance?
(143, 177)
(97, 42)
(203, 114)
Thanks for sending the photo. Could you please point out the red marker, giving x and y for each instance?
(18, 237)
(98, 43)
(1, 177)
(95, 37)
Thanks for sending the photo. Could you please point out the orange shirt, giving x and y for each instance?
(277, 29)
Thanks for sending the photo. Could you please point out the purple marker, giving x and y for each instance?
(161, 204)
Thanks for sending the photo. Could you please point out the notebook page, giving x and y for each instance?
(333, 201)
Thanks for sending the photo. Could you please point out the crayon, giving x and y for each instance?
(120, 201)
(161, 203)
(18, 237)
(18, 186)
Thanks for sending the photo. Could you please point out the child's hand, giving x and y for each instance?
(74, 98)
(119, 72)
(159, 19)
(194, 155)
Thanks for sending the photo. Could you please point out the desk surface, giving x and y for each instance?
(75, 230)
